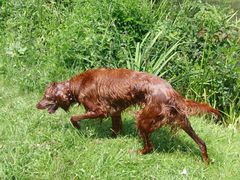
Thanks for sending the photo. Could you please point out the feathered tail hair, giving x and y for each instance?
(195, 108)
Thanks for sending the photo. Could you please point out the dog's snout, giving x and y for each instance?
(38, 105)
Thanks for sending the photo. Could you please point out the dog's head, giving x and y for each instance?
(56, 95)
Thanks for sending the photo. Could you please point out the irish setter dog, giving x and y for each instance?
(107, 92)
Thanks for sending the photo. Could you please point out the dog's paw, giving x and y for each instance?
(145, 150)
(74, 123)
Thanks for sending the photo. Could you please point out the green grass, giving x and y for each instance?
(195, 48)
(34, 144)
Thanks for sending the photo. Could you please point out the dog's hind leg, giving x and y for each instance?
(148, 147)
(186, 126)
(148, 120)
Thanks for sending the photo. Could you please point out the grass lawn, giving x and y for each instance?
(34, 144)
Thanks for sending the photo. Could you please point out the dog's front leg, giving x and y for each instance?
(87, 115)
(116, 125)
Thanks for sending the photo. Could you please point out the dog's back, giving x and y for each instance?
(116, 89)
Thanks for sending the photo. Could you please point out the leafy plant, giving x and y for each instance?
(146, 59)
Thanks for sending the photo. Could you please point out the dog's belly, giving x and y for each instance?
(117, 105)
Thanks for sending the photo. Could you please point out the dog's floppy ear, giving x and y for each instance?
(62, 91)
(63, 95)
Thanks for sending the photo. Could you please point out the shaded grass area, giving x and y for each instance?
(34, 144)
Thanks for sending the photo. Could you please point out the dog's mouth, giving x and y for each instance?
(51, 108)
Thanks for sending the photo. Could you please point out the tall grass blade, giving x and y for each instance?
(162, 61)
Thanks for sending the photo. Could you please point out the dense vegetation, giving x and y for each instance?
(196, 47)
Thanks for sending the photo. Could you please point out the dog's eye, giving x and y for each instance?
(49, 98)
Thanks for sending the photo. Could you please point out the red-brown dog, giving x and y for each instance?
(107, 92)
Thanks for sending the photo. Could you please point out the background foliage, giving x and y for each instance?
(194, 45)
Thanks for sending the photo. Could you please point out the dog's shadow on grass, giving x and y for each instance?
(163, 139)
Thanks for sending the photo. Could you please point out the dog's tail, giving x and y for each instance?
(195, 108)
